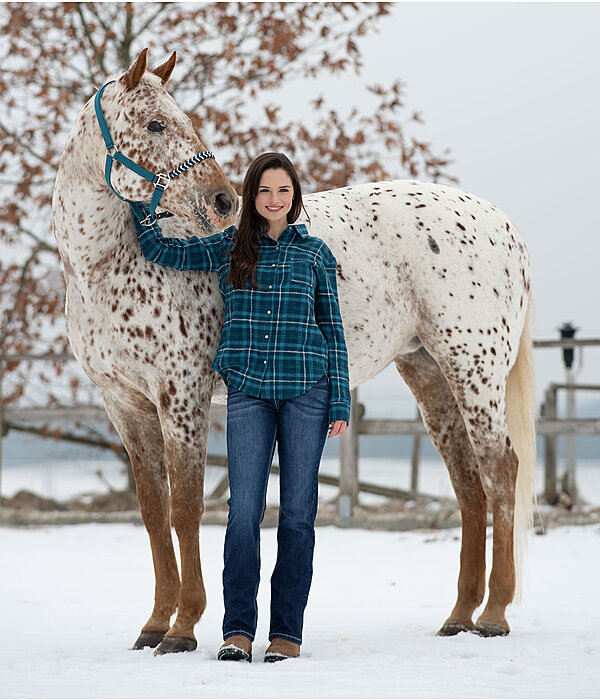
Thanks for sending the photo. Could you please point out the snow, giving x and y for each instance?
(75, 598)
(78, 596)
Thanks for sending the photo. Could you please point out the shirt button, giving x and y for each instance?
(270, 286)
(272, 264)
(266, 336)
(268, 312)
(264, 362)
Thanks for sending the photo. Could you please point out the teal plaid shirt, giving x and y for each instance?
(280, 339)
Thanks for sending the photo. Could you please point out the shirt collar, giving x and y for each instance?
(300, 229)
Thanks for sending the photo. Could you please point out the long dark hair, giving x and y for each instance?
(244, 255)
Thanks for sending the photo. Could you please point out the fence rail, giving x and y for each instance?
(549, 426)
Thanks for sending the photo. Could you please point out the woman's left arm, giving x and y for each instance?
(329, 320)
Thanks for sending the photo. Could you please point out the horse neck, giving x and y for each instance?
(91, 224)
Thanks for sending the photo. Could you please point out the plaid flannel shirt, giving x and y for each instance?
(280, 339)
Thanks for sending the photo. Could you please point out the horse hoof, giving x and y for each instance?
(148, 639)
(449, 629)
(490, 629)
(172, 645)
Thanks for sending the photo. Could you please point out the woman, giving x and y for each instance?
(283, 357)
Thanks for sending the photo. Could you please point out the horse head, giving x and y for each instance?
(149, 128)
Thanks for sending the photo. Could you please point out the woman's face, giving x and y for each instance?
(275, 196)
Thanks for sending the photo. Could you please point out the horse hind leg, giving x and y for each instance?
(503, 438)
(139, 429)
(446, 428)
(488, 396)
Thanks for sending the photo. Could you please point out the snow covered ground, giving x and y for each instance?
(75, 597)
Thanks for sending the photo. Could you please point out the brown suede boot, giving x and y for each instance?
(236, 648)
(280, 649)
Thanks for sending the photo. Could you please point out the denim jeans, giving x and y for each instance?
(299, 426)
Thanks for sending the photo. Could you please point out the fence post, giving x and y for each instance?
(569, 485)
(348, 497)
(415, 459)
(550, 442)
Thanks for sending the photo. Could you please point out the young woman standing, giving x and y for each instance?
(283, 357)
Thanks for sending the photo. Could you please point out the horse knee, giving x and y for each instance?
(186, 514)
(498, 467)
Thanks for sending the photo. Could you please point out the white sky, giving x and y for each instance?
(512, 90)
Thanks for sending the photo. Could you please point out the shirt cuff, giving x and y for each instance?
(339, 411)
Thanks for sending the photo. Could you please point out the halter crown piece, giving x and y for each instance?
(160, 180)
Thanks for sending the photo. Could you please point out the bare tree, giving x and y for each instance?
(231, 57)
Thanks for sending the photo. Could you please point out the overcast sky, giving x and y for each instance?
(513, 90)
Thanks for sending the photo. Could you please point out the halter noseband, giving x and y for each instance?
(160, 180)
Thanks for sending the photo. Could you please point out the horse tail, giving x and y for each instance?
(520, 418)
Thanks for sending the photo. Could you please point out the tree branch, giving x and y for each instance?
(13, 310)
(41, 244)
(21, 143)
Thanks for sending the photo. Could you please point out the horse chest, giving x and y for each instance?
(145, 323)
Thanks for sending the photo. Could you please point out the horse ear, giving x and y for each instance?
(164, 71)
(137, 70)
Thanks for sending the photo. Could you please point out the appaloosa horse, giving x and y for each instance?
(432, 278)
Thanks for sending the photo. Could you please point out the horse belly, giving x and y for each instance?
(379, 323)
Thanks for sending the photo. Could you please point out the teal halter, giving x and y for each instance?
(160, 181)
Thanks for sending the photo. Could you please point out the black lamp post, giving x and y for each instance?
(567, 330)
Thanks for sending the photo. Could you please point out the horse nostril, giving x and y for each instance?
(223, 204)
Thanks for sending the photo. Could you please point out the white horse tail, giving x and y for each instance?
(520, 418)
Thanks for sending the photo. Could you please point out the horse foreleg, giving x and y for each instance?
(140, 431)
(446, 428)
(185, 447)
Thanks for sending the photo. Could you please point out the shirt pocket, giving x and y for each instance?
(302, 275)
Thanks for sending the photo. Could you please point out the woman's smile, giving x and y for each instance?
(274, 199)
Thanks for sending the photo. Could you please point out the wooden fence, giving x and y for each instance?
(549, 426)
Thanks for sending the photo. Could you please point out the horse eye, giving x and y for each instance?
(156, 126)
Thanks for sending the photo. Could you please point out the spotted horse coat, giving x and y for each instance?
(430, 277)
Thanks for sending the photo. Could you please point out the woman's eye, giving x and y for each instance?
(156, 126)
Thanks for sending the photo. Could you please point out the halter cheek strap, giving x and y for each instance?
(159, 180)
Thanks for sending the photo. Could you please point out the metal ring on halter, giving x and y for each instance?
(162, 181)
(149, 220)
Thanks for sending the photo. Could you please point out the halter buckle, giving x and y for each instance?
(162, 181)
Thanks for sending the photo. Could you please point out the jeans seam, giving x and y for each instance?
(234, 633)
(289, 637)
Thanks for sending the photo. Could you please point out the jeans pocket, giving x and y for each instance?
(320, 390)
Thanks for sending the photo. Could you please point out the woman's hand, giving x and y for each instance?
(337, 428)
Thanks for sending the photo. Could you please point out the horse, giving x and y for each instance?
(430, 277)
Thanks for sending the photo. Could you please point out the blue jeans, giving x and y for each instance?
(299, 426)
